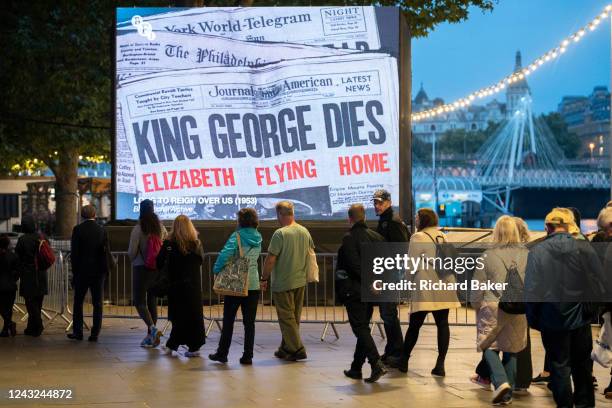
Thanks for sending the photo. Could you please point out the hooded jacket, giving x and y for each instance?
(560, 276)
(250, 240)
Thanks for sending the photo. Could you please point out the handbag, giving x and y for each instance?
(601, 353)
(233, 280)
(312, 268)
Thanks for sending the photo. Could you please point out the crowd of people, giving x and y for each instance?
(502, 329)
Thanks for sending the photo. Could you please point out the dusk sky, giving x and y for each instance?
(457, 59)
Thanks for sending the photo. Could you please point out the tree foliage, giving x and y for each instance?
(568, 141)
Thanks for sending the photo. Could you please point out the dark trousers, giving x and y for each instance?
(7, 300)
(360, 315)
(248, 307)
(414, 326)
(570, 355)
(34, 308)
(95, 284)
(524, 366)
(393, 330)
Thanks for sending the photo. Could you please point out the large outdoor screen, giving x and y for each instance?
(224, 108)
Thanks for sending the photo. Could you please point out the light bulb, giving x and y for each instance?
(609, 7)
(554, 54)
(562, 50)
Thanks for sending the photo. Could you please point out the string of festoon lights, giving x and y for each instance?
(551, 55)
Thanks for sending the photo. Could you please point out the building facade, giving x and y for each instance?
(589, 117)
(471, 118)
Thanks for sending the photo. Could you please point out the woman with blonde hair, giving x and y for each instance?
(181, 256)
(498, 331)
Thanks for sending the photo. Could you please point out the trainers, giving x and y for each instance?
(192, 354)
(146, 342)
(155, 336)
(505, 401)
(500, 393)
(246, 360)
(541, 379)
(298, 355)
(280, 353)
(483, 382)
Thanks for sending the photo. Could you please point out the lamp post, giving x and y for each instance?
(433, 167)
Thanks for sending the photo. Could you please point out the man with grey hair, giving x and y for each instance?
(287, 264)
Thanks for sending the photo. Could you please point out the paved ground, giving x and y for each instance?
(117, 373)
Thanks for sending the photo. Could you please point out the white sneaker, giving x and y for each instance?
(500, 392)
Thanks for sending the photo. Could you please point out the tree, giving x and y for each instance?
(55, 72)
(568, 141)
(56, 76)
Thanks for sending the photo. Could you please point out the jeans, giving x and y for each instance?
(248, 307)
(502, 371)
(289, 310)
(359, 315)
(570, 355)
(95, 284)
(144, 301)
(524, 369)
(414, 326)
(393, 330)
(7, 300)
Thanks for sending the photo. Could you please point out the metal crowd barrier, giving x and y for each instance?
(54, 303)
(320, 305)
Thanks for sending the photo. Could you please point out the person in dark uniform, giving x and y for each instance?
(393, 229)
(9, 275)
(348, 287)
(33, 285)
(89, 244)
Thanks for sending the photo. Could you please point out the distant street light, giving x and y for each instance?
(591, 147)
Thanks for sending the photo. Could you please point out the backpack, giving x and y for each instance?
(154, 244)
(45, 257)
(444, 250)
(508, 301)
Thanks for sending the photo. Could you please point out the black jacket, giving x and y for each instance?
(9, 271)
(349, 260)
(88, 250)
(33, 282)
(392, 228)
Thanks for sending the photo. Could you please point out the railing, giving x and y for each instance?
(320, 304)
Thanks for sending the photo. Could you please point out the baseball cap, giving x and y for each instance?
(559, 216)
(381, 195)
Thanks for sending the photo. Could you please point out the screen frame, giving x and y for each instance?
(405, 199)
